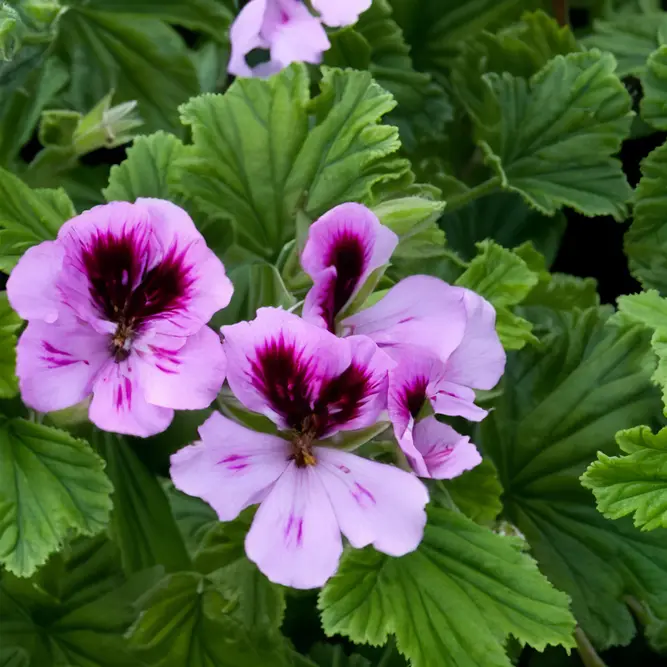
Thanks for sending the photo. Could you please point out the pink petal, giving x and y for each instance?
(419, 312)
(344, 247)
(337, 13)
(449, 398)
(231, 468)
(479, 361)
(294, 539)
(119, 404)
(299, 37)
(374, 503)
(188, 378)
(57, 364)
(445, 452)
(245, 35)
(31, 287)
(278, 363)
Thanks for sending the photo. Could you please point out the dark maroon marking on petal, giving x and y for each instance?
(54, 350)
(124, 289)
(415, 395)
(128, 391)
(119, 397)
(164, 369)
(349, 257)
(345, 469)
(235, 462)
(56, 358)
(299, 533)
(284, 377)
(361, 494)
(437, 456)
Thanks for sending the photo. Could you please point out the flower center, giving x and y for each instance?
(302, 442)
(415, 395)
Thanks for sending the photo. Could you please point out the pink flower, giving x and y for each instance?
(338, 13)
(117, 308)
(312, 385)
(284, 27)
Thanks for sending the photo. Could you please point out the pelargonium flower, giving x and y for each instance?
(117, 307)
(288, 30)
(312, 385)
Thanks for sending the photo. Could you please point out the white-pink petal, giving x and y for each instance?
(337, 13)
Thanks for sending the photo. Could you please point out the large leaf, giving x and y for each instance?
(9, 323)
(184, 623)
(654, 84)
(646, 239)
(142, 59)
(504, 279)
(457, 597)
(28, 217)
(142, 523)
(51, 485)
(264, 150)
(562, 403)
(76, 610)
(634, 484)
(551, 138)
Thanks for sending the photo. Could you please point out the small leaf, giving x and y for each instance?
(541, 144)
(458, 596)
(50, 484)
(9, 323)
(634, 484)
(654, 83)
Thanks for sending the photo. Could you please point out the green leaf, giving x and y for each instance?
(631, 39)
(504, 279)
(646, 239)
(329, 655)
(264, 150)
(76, 610)
(506, 219)
(184, 623)
(10, 322)
(541, 144)
(142, 59)
(13, 657)
(634, 484)
(562, 402)
(193, 516)
(28, 217)
(654, 83)
(51, 484)
(147, 170)
(142, 523)
(457, 597)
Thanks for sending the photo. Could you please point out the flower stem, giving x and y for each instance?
(561, 11)
(481, 190)
(586, 651)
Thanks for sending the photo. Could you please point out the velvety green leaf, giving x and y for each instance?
(76, 610)
(193, 516)
(654, 83)
(264, 150)
(51, 484)
(184, 623)
(634, 484)
(646, 239)
(13, 657)
(541, 144)
(506, 219)
(147, 169)
(9, 323)
(28, 217)
(458, 596)
(504, 279)
(142, 59)
(142, 523)
(562, 402)
(631, 39)
(329, 655)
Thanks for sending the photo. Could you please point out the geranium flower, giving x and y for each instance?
(288, 30)
(311, 385)
(117, 308)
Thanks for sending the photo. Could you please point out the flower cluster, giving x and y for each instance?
(118, 308)
(288, 30)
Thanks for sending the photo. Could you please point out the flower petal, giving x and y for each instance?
(374, 503)
(277, 364)
(119, 404)
(188, 378)
(231, 468)
(57, 364)
(455, 400)
(419, 312)
(479, 360)
(344, 247)
(31, 287)
(445, 452)
(336, 13)
(245, 35)
(294, 539)
(299, 38)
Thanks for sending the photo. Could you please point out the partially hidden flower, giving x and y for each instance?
(117, 307)
(288, 30)
(311, 385)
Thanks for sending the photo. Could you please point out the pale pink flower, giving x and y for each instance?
(311, 385)
(336, 13)
(117, 307)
